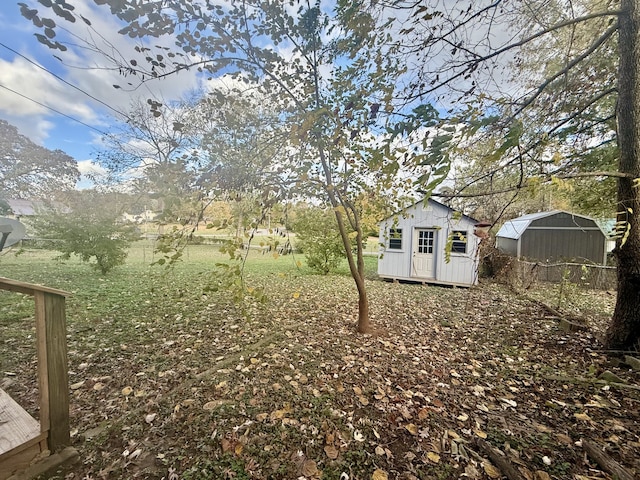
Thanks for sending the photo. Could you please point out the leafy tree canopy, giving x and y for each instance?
(28, 170)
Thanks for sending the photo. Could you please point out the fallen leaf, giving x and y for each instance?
(379, 475)
(433, 457)
(331, 451)
(76, 386)
(490, 470)
(226, 445)
(261, 417)
(412, 428)
(379, 450)
(480, 433)
(126, 391)
(541, 475)
(582, 416)
(309, 468)
(150, 418)
(98, 386)
(357, 436)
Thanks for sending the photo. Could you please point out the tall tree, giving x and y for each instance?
(322, 69)
(29, 170)
(155, 150)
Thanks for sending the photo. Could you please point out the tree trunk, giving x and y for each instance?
(356, 266)
(624, 329)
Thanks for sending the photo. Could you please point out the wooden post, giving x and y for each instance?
(52, 366)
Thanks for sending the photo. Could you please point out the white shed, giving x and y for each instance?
(431, 243)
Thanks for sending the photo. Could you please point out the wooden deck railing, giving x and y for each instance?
(51, 348)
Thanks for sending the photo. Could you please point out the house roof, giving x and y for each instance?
(20, 206)
(430, 200)
(515, 228)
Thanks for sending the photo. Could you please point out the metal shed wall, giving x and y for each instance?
(552, 237)
(556, 244)
(507, 245)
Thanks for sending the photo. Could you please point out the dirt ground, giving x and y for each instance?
(453, 383)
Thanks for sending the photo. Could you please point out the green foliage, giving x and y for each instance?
(228, 277)
(319, 239)
(28, 170)
(92, 234)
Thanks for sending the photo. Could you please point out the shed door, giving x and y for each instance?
(422, 261)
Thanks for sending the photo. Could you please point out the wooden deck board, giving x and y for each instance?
(16, 426)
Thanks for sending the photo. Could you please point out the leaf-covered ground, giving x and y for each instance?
(169, 383)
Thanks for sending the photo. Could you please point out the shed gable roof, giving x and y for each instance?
(433, 203)
(515, 228)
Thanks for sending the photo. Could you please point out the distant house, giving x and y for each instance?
(21, 208)
(146, 216)
(431, 243)
(27, 208)
(554, 236)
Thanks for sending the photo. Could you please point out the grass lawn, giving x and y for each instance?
(171, 381)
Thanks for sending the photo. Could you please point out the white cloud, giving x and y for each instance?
(87, 69)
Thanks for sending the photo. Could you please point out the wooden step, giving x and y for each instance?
(21, 440)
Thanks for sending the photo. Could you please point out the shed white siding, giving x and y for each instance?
(419, 254)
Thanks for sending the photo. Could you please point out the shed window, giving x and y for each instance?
(425, 241)
(459, 241)
(395, 238)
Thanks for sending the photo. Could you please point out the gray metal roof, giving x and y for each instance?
(515, 228)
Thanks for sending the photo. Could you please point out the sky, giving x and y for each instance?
(34, 84)
(69, 105)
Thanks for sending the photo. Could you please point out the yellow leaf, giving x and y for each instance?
(582, 416)
(126, 391)
(480, 433)
(296, 295)
(238, 449)
(490, 470)
(331, 451)
(379, 475)
(357, 390)
(433, 456)
(541, 475)
(412, 428)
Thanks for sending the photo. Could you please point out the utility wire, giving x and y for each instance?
(54, 110)
(65, 81)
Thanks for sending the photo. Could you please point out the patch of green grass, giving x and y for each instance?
(225, 467)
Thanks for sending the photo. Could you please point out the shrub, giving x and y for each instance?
(93, 236)
(319, 239)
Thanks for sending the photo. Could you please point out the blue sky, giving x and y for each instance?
(22, 83)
